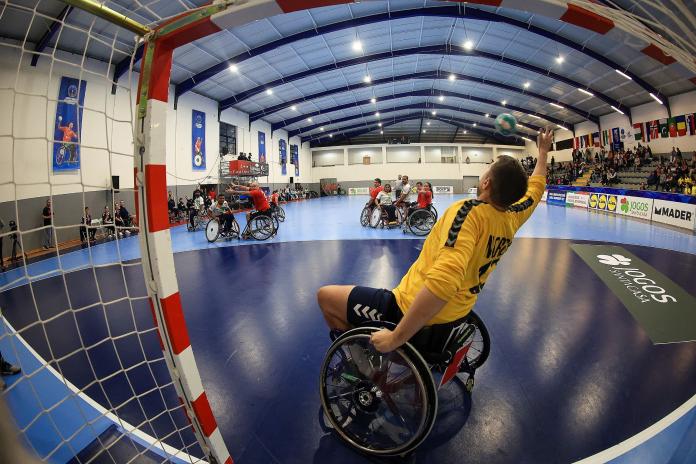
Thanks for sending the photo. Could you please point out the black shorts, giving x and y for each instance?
(367, 304)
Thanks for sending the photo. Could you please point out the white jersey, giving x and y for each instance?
(406, 190)
(384, 198)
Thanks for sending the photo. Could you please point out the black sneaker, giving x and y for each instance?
(8, 369)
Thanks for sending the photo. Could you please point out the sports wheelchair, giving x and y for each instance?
(380, 218)
(386, 404)
(260, 227)
(278, 212)
(200, 218)
(420, 222)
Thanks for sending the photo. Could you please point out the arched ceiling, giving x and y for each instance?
(328, 63)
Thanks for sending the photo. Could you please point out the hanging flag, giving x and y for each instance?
(681, 125)
(595, 139)
(691, 124)
(282, 151)
(638, 131)
(575, 143)
(588, 140)
(654, 129)
(664, 128)
(262, 147)
(672, 126)
(605, 137)
(197, 140)
(582, 142)
(68, 126)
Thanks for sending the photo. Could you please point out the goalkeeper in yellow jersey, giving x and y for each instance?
(459, 255)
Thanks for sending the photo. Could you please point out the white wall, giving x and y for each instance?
(477, 154)
(356, 154)
(330, 157)
(403, 153)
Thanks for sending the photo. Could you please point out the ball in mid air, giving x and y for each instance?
(506, 124)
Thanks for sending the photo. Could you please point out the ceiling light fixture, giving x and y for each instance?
(463, 132)
(561, 127)
(526, 85)
(331, 135)
(427, 123)
(367, 79)
(441, 98)
(474, 124)
(269, 92)
(379, 124)
(504, 102)
(624, 75)
(560, 59)
(234, 68)
(556, 105)
(452, 77)
(486, 115)
(424, 131)
(293, 107)
(656, 99)
(309, 119)
(534, 116)
(586, 92)
(377, 114)
(617, 110)
(357, 46)
(373, 100)
(433, 113)
(468, 45)
(321, 128)
(381, 132)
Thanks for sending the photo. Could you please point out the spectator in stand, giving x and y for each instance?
(242, 157)
(636, 163)
(126, 217)
(553, 163)
(171, 206)
(662, 178)
(653, 179)
(612, 177)
(181, 207)
(85, 229)
(47, 215)
(108, 222)
(673, 156)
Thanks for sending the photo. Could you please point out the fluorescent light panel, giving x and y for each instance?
(556, 105)
(656, 99)
(616, 109)
(586, 92)
(624, 75)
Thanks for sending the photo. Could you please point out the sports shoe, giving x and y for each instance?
(8, 369)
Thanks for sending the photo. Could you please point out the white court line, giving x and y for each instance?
(640, 438)
(161, 448)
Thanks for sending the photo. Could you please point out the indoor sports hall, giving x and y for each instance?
(378, 231)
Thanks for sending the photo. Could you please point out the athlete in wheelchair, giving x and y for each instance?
(384, 214)
(378, 380)
(367, 211)
(260, 222)
(421, 215)
(222, 224)
(197, 212)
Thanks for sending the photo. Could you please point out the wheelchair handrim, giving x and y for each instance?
(212, 229)
(425, 383)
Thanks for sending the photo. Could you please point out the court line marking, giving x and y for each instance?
(141, 437)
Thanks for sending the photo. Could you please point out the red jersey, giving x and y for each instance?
(259, 199)
(68, 134)
(274, 199)
(375, 191)
(425, 198)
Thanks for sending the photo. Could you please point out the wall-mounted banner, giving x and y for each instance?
(283, 152)
(663, 309)
(358, 191)
(578, 199)
(262, 147)
(635, 207)
(198, 140)
(66, 148)
(675, 214)
(603, 201)
(295, 158)
(443, 188)
(556, 197)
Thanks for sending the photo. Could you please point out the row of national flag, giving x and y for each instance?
(678, 126)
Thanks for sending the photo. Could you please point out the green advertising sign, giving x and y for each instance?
(665, 310)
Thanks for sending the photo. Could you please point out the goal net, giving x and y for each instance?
(107, 372)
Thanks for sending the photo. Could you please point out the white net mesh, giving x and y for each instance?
(74, 313)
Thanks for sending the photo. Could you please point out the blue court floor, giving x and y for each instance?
(571, 372)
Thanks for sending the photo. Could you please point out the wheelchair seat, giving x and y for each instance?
(385, 404)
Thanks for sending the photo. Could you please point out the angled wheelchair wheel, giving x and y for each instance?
(234, 229)
(400, 214)
(380, 404)
(212, 230)
(261, 227)
(365, 217)
(433, 210)
(376, 217)
(481, 345)
(280, 214)
(420, 222)
(276, 223)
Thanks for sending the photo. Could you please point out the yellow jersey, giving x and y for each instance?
(462, 250)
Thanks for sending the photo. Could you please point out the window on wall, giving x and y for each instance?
(228, 138)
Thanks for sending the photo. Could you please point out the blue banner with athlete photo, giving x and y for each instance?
(66, 135)
(283, 151)
(556, 197)
(262, 147)
(295, 159)
(198, 140)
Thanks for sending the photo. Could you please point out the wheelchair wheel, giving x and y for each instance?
(365, 217)
(212, 230)
(234, 229)
(280, 214)
(261, 227)
(276, 223)
(381, 404)
(481, 346)
(420, 222)
(376, 217)
(433, 210)
(400, 214)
